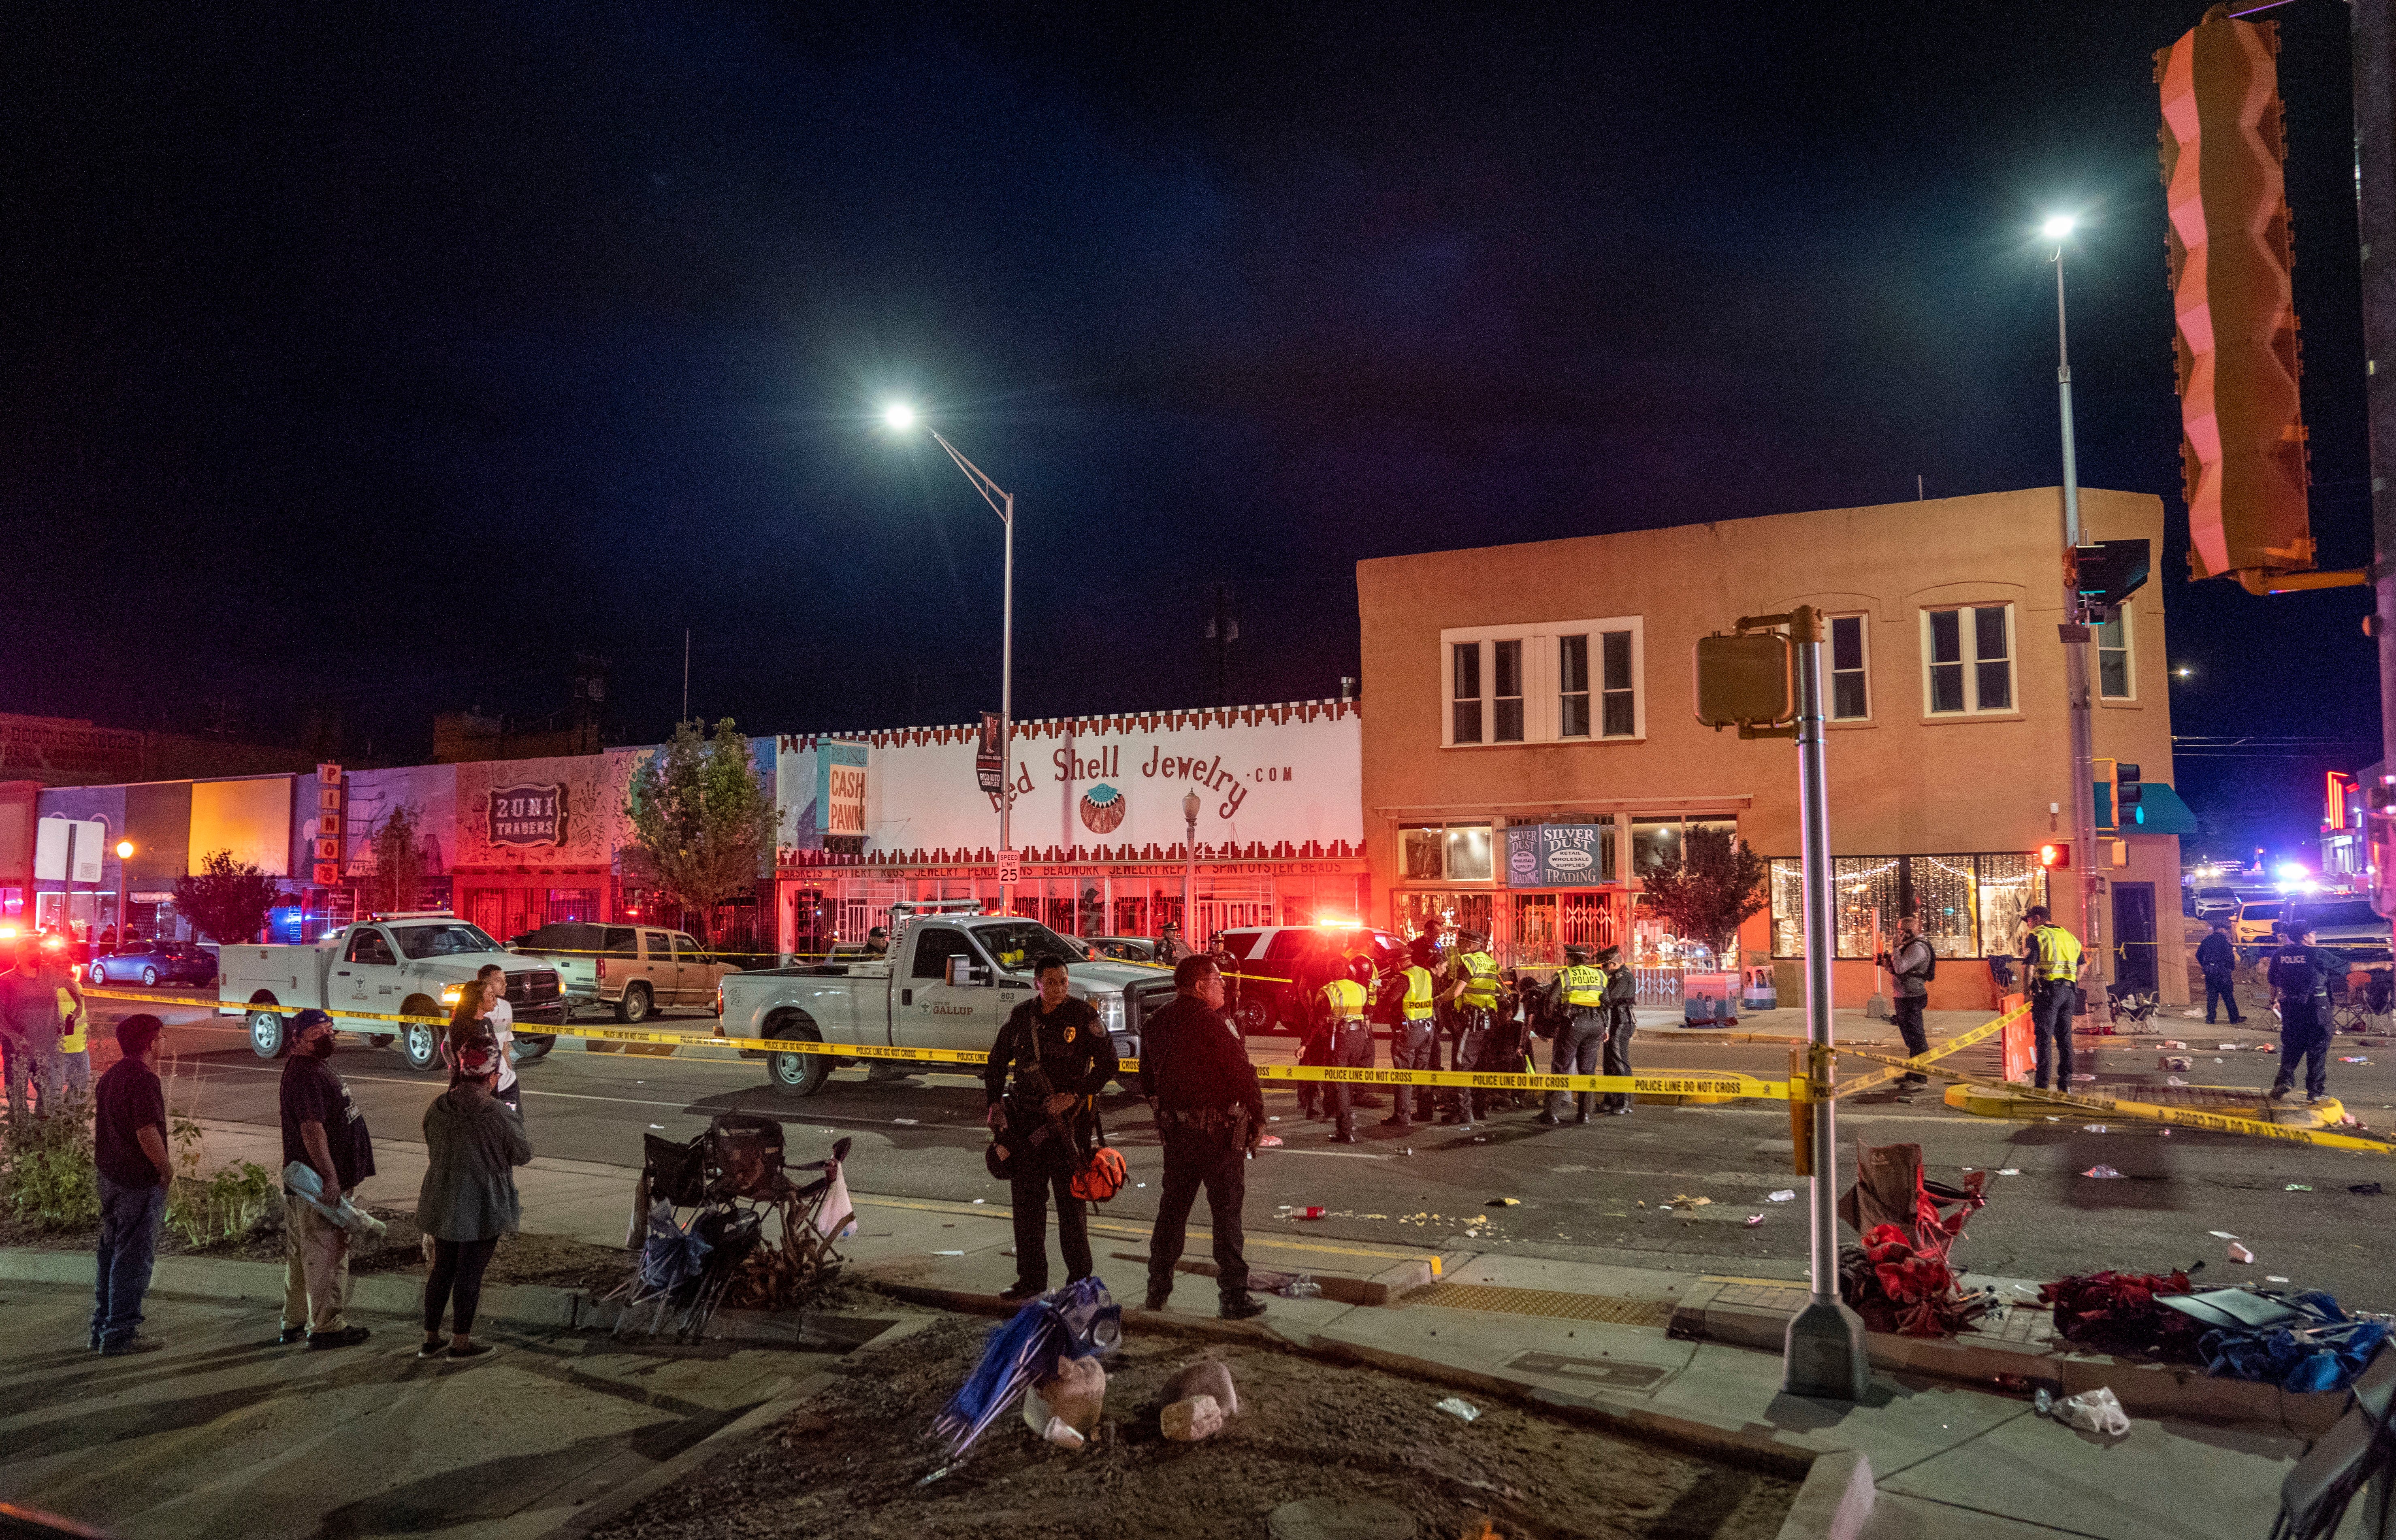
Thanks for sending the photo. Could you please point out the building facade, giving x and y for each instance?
(1533, 747)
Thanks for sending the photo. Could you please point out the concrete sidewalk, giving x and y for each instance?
(1686, 1358)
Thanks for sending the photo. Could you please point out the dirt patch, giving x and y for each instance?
(850, 1460)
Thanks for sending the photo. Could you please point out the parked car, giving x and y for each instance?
(154, 962)
(1276, 969)
(637, 969)
(1123, 948)
(411, 964)
(2348, 926)
(2216, 903)
(2256, 921)
(951, 981)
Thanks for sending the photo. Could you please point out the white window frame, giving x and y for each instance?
(1542, 680)
(1830, 670)
(2129, 660)
(1968, 637)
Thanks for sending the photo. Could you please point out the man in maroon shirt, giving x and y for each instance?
(1210, 1113)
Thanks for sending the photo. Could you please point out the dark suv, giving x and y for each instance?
(1276, 969)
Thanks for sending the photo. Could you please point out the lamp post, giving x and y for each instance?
(2075, 632)
(1189, 805)
(123, 931)
(901, 417)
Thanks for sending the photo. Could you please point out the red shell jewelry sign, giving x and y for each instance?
(1102, 809)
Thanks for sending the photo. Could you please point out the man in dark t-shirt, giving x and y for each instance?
(323, 1131)
(129, 1147)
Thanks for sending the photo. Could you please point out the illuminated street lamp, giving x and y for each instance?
(900, 417)
(2057, 228)
(123, 931)
(1189, 805)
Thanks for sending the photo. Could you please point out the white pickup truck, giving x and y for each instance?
(390, 964)
(951, 981)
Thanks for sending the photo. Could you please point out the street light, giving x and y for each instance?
(2075, 632)
(124, 854)
(901, 417)
(1189, 805)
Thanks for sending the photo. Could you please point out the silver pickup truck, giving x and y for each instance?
(951, 981)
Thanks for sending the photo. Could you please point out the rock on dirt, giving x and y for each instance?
(849, 1461)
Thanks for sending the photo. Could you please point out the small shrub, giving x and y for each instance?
(223, 1207)
(47, 1174)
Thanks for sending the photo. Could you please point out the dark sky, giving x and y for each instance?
(374, 361)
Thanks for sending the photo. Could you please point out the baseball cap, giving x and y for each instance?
(308, 1018)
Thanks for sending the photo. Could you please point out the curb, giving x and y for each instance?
(2145, 1389)
(1836, 1501)
(632, 1478)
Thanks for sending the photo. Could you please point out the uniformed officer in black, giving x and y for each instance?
(1210, 1113)
(1060, 1035)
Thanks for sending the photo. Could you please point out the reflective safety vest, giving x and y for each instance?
(1584, 985)
(2058, 953)
(1343, 1000)
(1418, 994)
(77, 1020)
(1479, 980)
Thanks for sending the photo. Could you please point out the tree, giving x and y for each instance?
(1707, 890)
(226, 899)
(398, 880)
(703, 823)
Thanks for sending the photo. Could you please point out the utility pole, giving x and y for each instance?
(2374, 197)
(2075, 634)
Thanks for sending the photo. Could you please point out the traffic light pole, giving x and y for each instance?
(1824, 1355)
(2076, 668)
(2374, 197)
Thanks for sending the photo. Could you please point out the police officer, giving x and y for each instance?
(1210, 1116)
(877, 942)
(2051, 958)
(1052, 1040)
(1621, 1021)
(2301, 976)
(1414, 1038)
(1169, 948)
(1473, 994)
(1346, 1037)
(1579, 993)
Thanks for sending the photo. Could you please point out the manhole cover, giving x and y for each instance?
(1337, 1518)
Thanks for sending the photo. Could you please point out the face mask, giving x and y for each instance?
(322, 1048)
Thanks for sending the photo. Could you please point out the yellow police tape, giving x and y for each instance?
(1981, 1033)
(1702, 1084)
(2149, 1112)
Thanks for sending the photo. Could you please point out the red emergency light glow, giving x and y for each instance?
(2055, 857)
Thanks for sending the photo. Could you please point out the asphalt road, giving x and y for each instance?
(1581, 1189)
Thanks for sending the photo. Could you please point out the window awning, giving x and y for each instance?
(2159, 811)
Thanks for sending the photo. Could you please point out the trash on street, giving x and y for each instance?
(1456, 1406)
(2103, 1173)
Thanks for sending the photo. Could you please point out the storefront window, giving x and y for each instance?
(1420, 854)
(1467, 853)
(1652, 841)
(1968, 905)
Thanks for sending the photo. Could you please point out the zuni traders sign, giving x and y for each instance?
(528, 814)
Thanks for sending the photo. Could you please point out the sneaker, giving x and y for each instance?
(1018, 1292)
(1242, 1308)
(292, 1335)
(433, 1349)
(1618, 1111)
(1397, 1123)
(1580, 1119)
(471, 1350)
(348, 1337)
(2279, 1093)
(1548, 1120)
(131, 1345)
(1343, 1139)
(2321, 1100)
(1157, 1301)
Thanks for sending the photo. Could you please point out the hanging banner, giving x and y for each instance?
(1540, 855)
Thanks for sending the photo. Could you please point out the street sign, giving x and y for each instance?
(1743, 679)
(1010, 866)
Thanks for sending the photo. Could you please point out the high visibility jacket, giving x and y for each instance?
(77, 1020)
(1418, 994)
(1584, 985)
(1479, 980)
(1343, 1000)
(2058, 953)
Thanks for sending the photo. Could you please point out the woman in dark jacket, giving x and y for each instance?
(472, 1142)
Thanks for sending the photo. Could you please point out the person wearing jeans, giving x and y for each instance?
(472, 1142)
(2051, 955)
(2219, 959)
(129, 1148)
(1909, 965)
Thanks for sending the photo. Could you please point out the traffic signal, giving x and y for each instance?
(2108, 573)
(2127, 791)
(2055, 858)
(2243, 434)
(1743, 679)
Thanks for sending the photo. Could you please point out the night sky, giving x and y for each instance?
(370, 362)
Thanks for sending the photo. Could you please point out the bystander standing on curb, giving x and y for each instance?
(135, 1172)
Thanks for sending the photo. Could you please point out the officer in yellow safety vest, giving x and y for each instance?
(1406, 1002)
(1579, 995)
(1346, 1038)
(1474, 994)
(74, 1043)
(2051, 957)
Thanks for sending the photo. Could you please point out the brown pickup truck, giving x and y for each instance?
(640, 970)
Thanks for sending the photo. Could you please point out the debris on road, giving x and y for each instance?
(2296, 1187)
(2240, 1254)
(2103, 1173)
(1754, 1219)
(2092, 1128)
(1784, 1196)
(2221, 1235)
(2365, 1189)
(1505, 1202)
(1457, 1406)
(2010, 1171)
